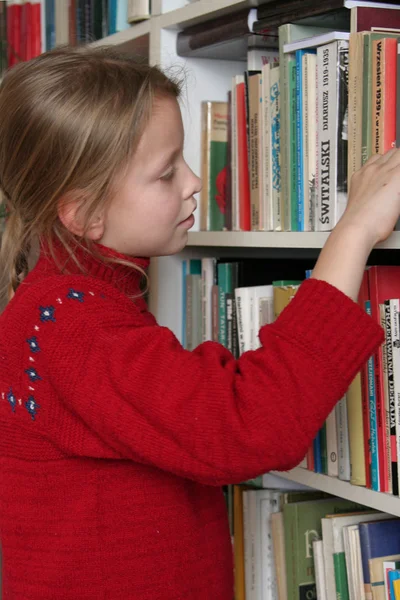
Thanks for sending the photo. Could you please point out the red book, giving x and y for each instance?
(362, 297)
(243, 160)
(367, 18)
(389, 93)
(310, 458)
(36, 29)
(26, 31)
(384, 284)
(14, 10)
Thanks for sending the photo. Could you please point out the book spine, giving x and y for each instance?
(222, 286)
(266, 222)
(327, 84)
(366, 145)
(343, 440)
(309, 138)
(189, 310)
(377, 93)
(235, 284)
(342, 588)
(375, 478)
(385, 403)
(228, 201)
(324, 452)
(254, 122)
(391, 434)
(205, 162)
(398, 96)
(215, 312)
(208, 280)
(332, 445)
(317, 453)
(285, 126)
(72, 22)
(243, 162)
(299, 141)
(356, 432)
(389, 93)
(355, 102)
(395, 330)
(276, 149)
(234, 160)
(341, 133)
(291, 141)
(3, 37)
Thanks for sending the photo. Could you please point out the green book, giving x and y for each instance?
(302, 522)
(224, 271)
(342, 586)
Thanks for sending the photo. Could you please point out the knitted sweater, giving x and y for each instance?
(115, 441)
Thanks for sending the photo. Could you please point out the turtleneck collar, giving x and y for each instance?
(125, 277)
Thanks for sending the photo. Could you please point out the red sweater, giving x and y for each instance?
(115, 441)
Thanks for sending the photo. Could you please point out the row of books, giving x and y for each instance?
(279, 153)
(360, 441)
(28, 28)
(302, 544)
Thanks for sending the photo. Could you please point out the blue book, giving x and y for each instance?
(377, 538)
(299, 135)
(50, 16)
(317, 448)
(122, 15)
(112, 17)
(375, 484)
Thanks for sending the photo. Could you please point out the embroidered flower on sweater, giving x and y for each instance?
(12, 399)
(47, 313)
(32, 406)
(33, 344)
(32, 374)
(75, 295)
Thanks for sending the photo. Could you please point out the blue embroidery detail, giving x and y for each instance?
(12, 400)
(33, 375)
(47, 313)
(75, 295)
(33, 344)
(32, 406)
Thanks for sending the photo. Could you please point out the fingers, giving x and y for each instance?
(392, 158)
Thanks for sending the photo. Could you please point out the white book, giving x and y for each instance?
(263, 310)
(249, 544)
(244, 299)
(332, 445)
(266, 160)
(332, 72)
(258, 57)
(350, 573)
(309, 68)
(355, 547)
(207, 280)
(315, 41)
(62, 22)
(367, 4)
(275, 98)
(267, 503)
(137, 10)
(319, 566)
(343, 440)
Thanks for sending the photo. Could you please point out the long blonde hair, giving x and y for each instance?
(70, 120)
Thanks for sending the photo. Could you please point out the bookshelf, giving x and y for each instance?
(209, 80)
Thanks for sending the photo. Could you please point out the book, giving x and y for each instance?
(316, 40)
(394, 394)
(332, 68)
(309, 67)
(384, 61)
(343, 440)
(275, 99)
(380, 538)
(377, 575)
(373, 420)
(319, 565)
(302, 526)
(214, 164)
(278, 544)
(255, 133)
(136, 10)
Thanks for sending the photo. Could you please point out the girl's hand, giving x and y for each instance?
(372, 211)
(374, 199)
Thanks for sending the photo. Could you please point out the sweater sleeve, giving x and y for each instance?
(204, 415)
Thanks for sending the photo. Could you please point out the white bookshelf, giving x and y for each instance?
(209, 80)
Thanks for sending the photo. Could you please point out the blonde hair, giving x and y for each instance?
(70, 121)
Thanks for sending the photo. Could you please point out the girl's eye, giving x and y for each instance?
(168, 175)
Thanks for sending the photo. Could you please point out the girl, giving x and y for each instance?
(114, 440)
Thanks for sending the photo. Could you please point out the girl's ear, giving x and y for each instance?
(71, 217)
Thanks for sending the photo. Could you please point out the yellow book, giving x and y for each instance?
(356, 432)
(282, 296)
(396, 586)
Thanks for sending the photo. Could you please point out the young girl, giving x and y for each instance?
(114, 440)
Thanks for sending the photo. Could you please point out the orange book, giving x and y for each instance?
(243, 160)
